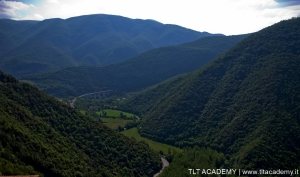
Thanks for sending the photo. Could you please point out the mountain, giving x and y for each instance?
(28, 47)
(245, 103)
(139, 72)
(142, 102)
(7, 29)
(41, 135)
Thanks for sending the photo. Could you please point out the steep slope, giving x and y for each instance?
(245, 103)
(142, 102)
(91, 40)
(41, 135)
(46, 48)
(193, 158)
(7, 29)
(138, 72)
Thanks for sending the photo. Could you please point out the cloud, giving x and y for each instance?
(214, 16)
(287, 3)
(53, 1)
(258, 4)
(32, 17)
(242, 16)
(12, 9)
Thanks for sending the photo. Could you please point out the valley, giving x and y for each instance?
(105, 95)
(136, 73)
(123, 122)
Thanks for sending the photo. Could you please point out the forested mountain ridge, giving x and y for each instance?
(245, 103)
(139, 72)
(140, 103)
(41, 135)
(28, 47)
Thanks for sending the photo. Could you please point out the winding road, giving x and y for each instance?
(72, 102)
(104, 94)
(165, 164)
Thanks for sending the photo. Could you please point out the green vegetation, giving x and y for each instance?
(194, 158)
(83, 112)
(118, 120)
(245, 103)
(116, 113)
(114, 119)
(41, 135)
(90, 104)
(139, 72)
(29, 47)
(115, 123)
(166, 149)
(140, 103)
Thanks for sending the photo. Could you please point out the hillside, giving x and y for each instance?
(7, 29)
(28, 47)
(142, 102)
(194, 158)
(139, 72)
(41, 135)
(245, 103)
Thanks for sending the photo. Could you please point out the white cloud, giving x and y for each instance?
(33, 17)
(12, 8)
(53, 1)
(215, 16)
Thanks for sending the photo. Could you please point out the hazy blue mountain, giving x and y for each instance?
(139, 72)
(28, 47)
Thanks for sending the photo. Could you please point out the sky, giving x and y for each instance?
(229, 17)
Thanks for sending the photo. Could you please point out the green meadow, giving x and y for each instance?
(113, 118)
(153, 144)
(114, 123)
(114, 113)
(83, 112)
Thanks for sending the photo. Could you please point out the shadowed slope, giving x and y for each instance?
(41, 135)
(90, 40)
(138, 72)
(245, 103)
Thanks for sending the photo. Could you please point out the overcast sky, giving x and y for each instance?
(215, 16)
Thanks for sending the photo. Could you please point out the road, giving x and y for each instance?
(72, 102)
(165, 164)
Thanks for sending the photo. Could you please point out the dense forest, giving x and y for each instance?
(194, 158)
(225, 101)
(139, 72)
(41, 135)
(29, 47)
(140, 103)
(245, 103)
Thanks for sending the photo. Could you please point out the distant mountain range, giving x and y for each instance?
(28, 47)
(139, 72)
(245, 103)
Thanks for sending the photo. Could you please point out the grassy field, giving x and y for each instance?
(115, 113)
(113, 123)
(113, 119)
(153, 144)
(82, 112)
